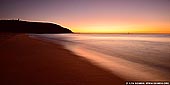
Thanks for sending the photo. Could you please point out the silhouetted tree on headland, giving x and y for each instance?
(18, 26)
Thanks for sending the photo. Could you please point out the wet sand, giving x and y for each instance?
(27, 61)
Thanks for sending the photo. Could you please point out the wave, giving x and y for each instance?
(134, 57)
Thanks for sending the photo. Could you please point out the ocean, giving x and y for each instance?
(142, 57)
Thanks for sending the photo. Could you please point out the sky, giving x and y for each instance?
(94, 16)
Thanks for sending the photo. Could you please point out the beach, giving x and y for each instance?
(134, 57)
(28, 61)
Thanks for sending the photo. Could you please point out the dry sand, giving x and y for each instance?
(27, 61)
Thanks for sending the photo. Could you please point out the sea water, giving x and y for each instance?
(130, 56)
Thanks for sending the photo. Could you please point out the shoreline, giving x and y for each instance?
(121, 67)
(25, 60)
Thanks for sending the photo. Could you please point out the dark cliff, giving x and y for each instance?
(17, 26)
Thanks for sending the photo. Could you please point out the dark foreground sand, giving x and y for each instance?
(27, 61)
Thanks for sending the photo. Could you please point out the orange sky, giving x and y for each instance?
(94, 16)
(107, 25)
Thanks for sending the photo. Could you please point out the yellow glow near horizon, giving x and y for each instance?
(116, 26)
(120, 29)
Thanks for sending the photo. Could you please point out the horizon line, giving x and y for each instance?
(115, 33)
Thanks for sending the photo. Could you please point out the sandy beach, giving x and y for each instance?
(27, 61)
